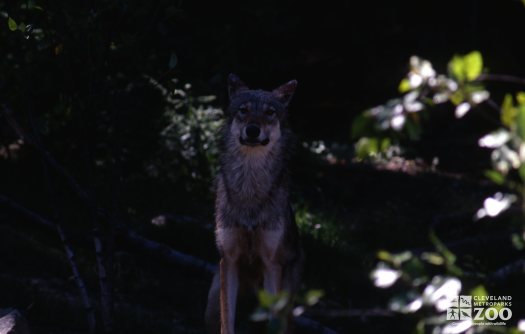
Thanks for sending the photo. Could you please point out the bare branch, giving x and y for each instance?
(308, 325)
(168, 253)
(70, 255)
(350, 313)
(501, 274)
(501, 78)
(164, 251)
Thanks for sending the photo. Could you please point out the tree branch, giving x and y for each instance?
(311, 326)
(153, 247)
(70, 255)
(501, 78)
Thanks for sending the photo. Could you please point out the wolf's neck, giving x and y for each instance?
(251, 173)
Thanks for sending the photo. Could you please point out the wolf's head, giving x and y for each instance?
(256, 115)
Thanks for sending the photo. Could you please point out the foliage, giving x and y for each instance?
(401, 118)
(276, 309)
(191, 138)
(428, 281)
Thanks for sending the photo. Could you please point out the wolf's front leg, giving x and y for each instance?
(269, 252)
(229, 288)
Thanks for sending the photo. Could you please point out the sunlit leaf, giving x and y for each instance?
(385, 144)
(521, 121)
(457, 68)
(384, 255)
(479, 291)
(508, 111)
(404, 86)
(495, 176)
(366, 147)
(266, 299)
(473, 65)
(518, 241)
(466, 68)
(450, 258)
(520, 97)
(457, 97)
(313, 296)
(433, 258)
(12, 24)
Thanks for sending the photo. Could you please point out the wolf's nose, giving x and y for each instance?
(252, 131)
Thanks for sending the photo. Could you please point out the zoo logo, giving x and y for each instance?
(462, 308)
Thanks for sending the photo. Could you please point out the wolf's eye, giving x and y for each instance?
(270, 111)
(243, 110)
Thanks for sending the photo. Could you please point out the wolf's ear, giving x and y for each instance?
(235, 85)
(285, 92)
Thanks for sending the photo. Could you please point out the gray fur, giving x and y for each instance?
(252, 189)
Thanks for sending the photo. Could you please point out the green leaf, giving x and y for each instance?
(414, 267)
(495, 176)
(508, 111)
(450, 258)
(479, 291)
(466, 68)
(473, 63)
(385, 144)
(413, 129)
(517, 241)
(366, 147)
(520, 97)
(360, 126)
(521, 121)
(457, 97)
(313, 296)
(266, 299)
(12, 24)
(404, 86)
(456, 68)
(384, 255)
(521, 171)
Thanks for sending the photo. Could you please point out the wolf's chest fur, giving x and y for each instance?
(252, 188)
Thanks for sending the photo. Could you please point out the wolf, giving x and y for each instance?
(256, 234)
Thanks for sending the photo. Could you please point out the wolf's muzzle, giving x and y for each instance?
(251, 136)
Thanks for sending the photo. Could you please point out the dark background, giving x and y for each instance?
(81, 89)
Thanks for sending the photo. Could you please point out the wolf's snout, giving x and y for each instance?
(252, 131)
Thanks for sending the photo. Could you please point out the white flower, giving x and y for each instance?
(495, 139)
(384, 276)
(521, 325)
(493, 206)
(462, 109)
(441, 291)
(478, 97)
(410, 102)
(397, 122)
(415, 79)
